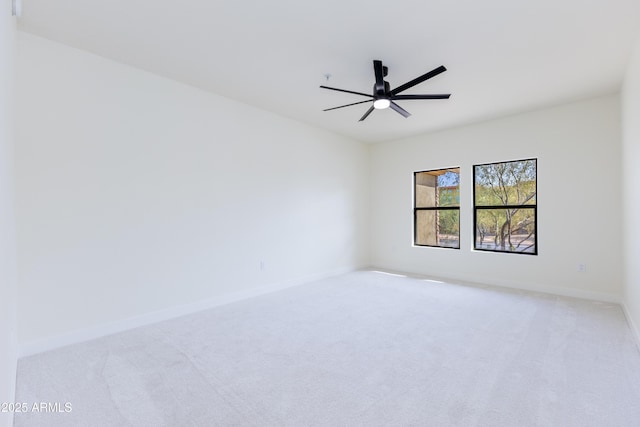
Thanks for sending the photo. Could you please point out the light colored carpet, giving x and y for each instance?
(363, 349)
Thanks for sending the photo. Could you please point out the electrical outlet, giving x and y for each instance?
(582, 268)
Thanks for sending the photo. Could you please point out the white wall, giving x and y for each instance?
(579, 199)
(631, 188)
(137, 193)
(8, 347)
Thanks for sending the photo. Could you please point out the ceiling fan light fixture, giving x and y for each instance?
(381, 104)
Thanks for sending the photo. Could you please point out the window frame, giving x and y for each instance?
(416, 209)
(534, 206)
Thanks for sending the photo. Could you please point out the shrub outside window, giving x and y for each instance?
(436, 212)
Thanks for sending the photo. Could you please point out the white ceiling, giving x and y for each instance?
(503, 56)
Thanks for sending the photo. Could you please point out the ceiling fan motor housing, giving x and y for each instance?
(382, 93)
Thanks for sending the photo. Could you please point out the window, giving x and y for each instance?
(505, 207)
(436, 208)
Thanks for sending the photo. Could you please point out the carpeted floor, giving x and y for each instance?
(363, 349)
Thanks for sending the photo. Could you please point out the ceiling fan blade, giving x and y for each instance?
(348, 105)
(347, 91)
(379, 72)
(366, 114)
(418, 80)
(399, 109)
(438, 96)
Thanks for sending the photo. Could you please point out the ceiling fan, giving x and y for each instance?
(383, 97)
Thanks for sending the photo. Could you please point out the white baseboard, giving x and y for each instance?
(86, 334)
(566, 292)
(553, 290)
(635, 331)
(50, 343)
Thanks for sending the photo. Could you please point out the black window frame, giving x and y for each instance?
(534, 206)
(434, 208)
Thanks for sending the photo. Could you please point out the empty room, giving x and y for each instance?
(342, 213)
